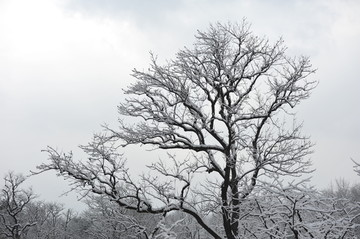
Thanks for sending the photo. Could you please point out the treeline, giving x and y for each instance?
(277, 213)
(23, 216)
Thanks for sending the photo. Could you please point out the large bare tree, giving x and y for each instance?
(228, 102)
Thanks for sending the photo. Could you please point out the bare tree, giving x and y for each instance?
(14, 201)
(69, 215)
(50, 221)
(345, 194)
(297, 211)
(228, 103)
(108, 221)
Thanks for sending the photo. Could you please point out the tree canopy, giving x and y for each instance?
(228, 102)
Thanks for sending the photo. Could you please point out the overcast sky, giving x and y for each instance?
(63, 65)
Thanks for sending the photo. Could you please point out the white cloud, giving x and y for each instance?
(61, 77)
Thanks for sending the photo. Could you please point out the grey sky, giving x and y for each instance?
(63, 65)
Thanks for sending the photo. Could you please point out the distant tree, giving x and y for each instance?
(69, 216)
(108, 221)
(298, 211)
(342, 189)
(53, 221)
(50, 221)
(345, 195)
(185, 226)
(22, 216)
(14, 201)
(227, 103)
(77, 228)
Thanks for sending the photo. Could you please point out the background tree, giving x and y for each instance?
(345, 194)
(297, 211)
(14, 201)
(51, 220)
(185, 226)
(108, 221)
(227, 103)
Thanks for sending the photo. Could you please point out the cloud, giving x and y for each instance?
(61, 77)
(142, 13)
